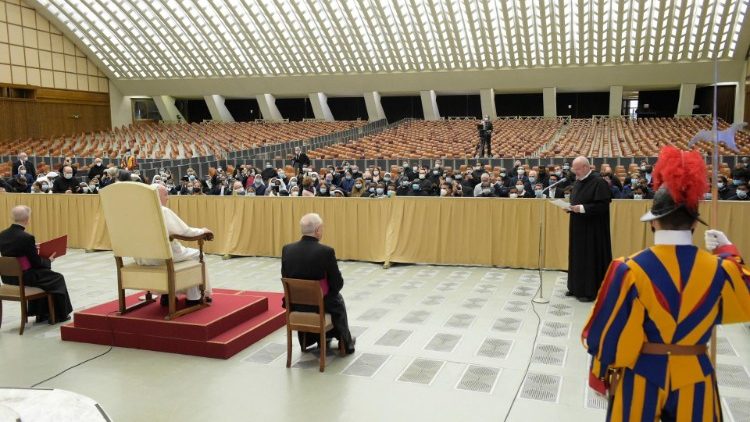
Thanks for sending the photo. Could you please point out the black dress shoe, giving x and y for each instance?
(189, 302)
(350, 347)
(585, 299)
(164, 300)
(568, 294)
(42, 318)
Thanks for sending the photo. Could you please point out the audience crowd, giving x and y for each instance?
(348, 180)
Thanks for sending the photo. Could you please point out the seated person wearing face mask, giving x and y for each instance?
(97, 169)
(67, 183)
(522, 191)
(416, 189)
(404, 187)
(380, 191)
(347, 183)
(19, 184)
(238, 189)
(521, 177)
(324, 190)
(741, 193)
(485, 188)
(726, 190)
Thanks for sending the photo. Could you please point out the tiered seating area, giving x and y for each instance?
(172, 141)
(448, 139)
(642, 137)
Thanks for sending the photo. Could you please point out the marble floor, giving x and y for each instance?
(434, 343)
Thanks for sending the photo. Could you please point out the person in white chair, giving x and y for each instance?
(175, 226)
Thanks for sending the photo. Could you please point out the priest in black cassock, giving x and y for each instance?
(15, 242)
(590, 248)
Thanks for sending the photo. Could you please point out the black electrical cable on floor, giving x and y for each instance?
(533, 346)
(85, 361)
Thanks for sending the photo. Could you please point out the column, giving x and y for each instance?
(487, 99)
(615, 100)
(687, 99)
(319, 102)
(374, 107)
(167, 109)
(739, 97)
(267, 104)
(218, 110)
(120, 107)
(429, 105)
(550, 102)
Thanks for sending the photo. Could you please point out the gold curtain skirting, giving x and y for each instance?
(454, 231)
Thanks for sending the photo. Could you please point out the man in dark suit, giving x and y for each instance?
(15, 242)
(308, 259)
(555, 192)
(300, 160)
(23, 160)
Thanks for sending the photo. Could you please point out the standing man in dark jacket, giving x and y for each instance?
(308, 259)
(300, 160)
(23, 160)
(15, 242)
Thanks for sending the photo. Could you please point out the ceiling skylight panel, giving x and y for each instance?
(741, 14)
(574, 35)
(559, 30)
(496, 24)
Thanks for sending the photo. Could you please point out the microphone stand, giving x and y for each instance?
(542, 240)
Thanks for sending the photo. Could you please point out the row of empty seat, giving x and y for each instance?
(173, 141)
(448, 139)
(623, 137)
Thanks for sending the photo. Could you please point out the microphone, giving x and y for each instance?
(564, 179)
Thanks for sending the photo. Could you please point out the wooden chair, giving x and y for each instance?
(137, 230)
(9, 267)
(306, 292)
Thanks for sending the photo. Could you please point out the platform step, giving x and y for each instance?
(221, 346)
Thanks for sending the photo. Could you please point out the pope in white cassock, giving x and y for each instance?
(175, 226)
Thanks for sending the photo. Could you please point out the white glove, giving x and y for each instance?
(716, 239)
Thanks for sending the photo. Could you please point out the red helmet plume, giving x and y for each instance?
(684, 175)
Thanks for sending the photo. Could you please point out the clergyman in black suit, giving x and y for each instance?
(15, 242)
(308, 259)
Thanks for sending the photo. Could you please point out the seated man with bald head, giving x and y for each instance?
(175, 226)
(308, 259)
(37, 270)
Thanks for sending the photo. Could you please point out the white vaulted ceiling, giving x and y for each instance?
(170, 39)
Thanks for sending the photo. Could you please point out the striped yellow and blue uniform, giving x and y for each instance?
(671, 294)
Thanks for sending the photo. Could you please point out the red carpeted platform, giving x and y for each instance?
(235, 320)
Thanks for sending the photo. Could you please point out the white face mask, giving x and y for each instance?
(421, 175)
(323, 190)
(45, 187)
(358, 185)
(379, 191)
(720, 185)
(636, 196)
(98, 164)
(514, 195)
(443, 192)
(85, 189)
(295, 193)
(68, 176)
(742, 194)
(521, 172)
(567, 196)
(519, 188)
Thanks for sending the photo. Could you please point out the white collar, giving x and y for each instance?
(587, 175)
(673, 237)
